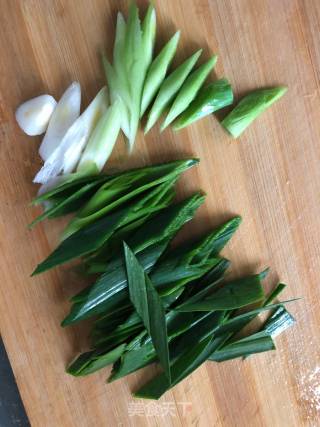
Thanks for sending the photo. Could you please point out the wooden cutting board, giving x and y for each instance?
(271, 176)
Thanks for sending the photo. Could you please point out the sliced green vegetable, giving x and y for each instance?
(92, 361)
(157, 72)
(102, 140)
(273, 295)
(211, 98)
(255, 343)
(278, 322)
(148, 305)
(232, 295)
(169, 88)
(237, 322)
(136, 69)
(68, 186)
(185, 330)
(149, 34)
(110, 289)
(183, 366)
(189, 91)
(69, 204)
(92, 237)
(249, 108)
(117, 76)
(122, 188)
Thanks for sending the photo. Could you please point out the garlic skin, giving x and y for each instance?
(33, 115)
(65, 113)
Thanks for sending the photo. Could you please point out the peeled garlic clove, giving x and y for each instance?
(33, 115)
(67, 155)
(65, 113)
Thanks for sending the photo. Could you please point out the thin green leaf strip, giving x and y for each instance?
(230, 296)
(91, 361)
(255, 343)
(148, 305)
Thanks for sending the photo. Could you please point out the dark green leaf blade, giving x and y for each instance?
(255, 343)
(148, 305)
(83, 242)
(92, 361)
(230, 296)
(188, 362)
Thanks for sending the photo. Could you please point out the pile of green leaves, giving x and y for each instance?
(151, 301)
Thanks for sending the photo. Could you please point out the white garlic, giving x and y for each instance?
(33, 115)
(65, 113)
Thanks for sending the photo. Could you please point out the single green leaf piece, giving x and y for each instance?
(249, 108)
(189, 90)
(92, 361)
(102, 140)
(148, 305)
(169, 88)
(229, 296)
(149, 34)
(255, 343)
(211, 98)
(157, 72)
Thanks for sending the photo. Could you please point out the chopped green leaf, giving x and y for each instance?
(92, 361)
(148, 305)
(231, 295)
(255, 343)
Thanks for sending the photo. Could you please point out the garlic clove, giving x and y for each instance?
(33, 115)
(65, 113)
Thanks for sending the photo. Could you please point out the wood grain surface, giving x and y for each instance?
(271, 176)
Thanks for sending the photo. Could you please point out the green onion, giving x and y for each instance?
(91, 361)
(211, 98)
(148, 305)
(169, 88)
(148, 34)
(157, 72)
(249, 108)
(255, 343)
(189, 90)
(232, 295)
(122, 188)
(102, 140)
(92, 237)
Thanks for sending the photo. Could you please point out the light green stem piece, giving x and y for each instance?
(102, 140)
(148, 34)
(169, 88)
(189, 90)
(157, 72)
(250, 107)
